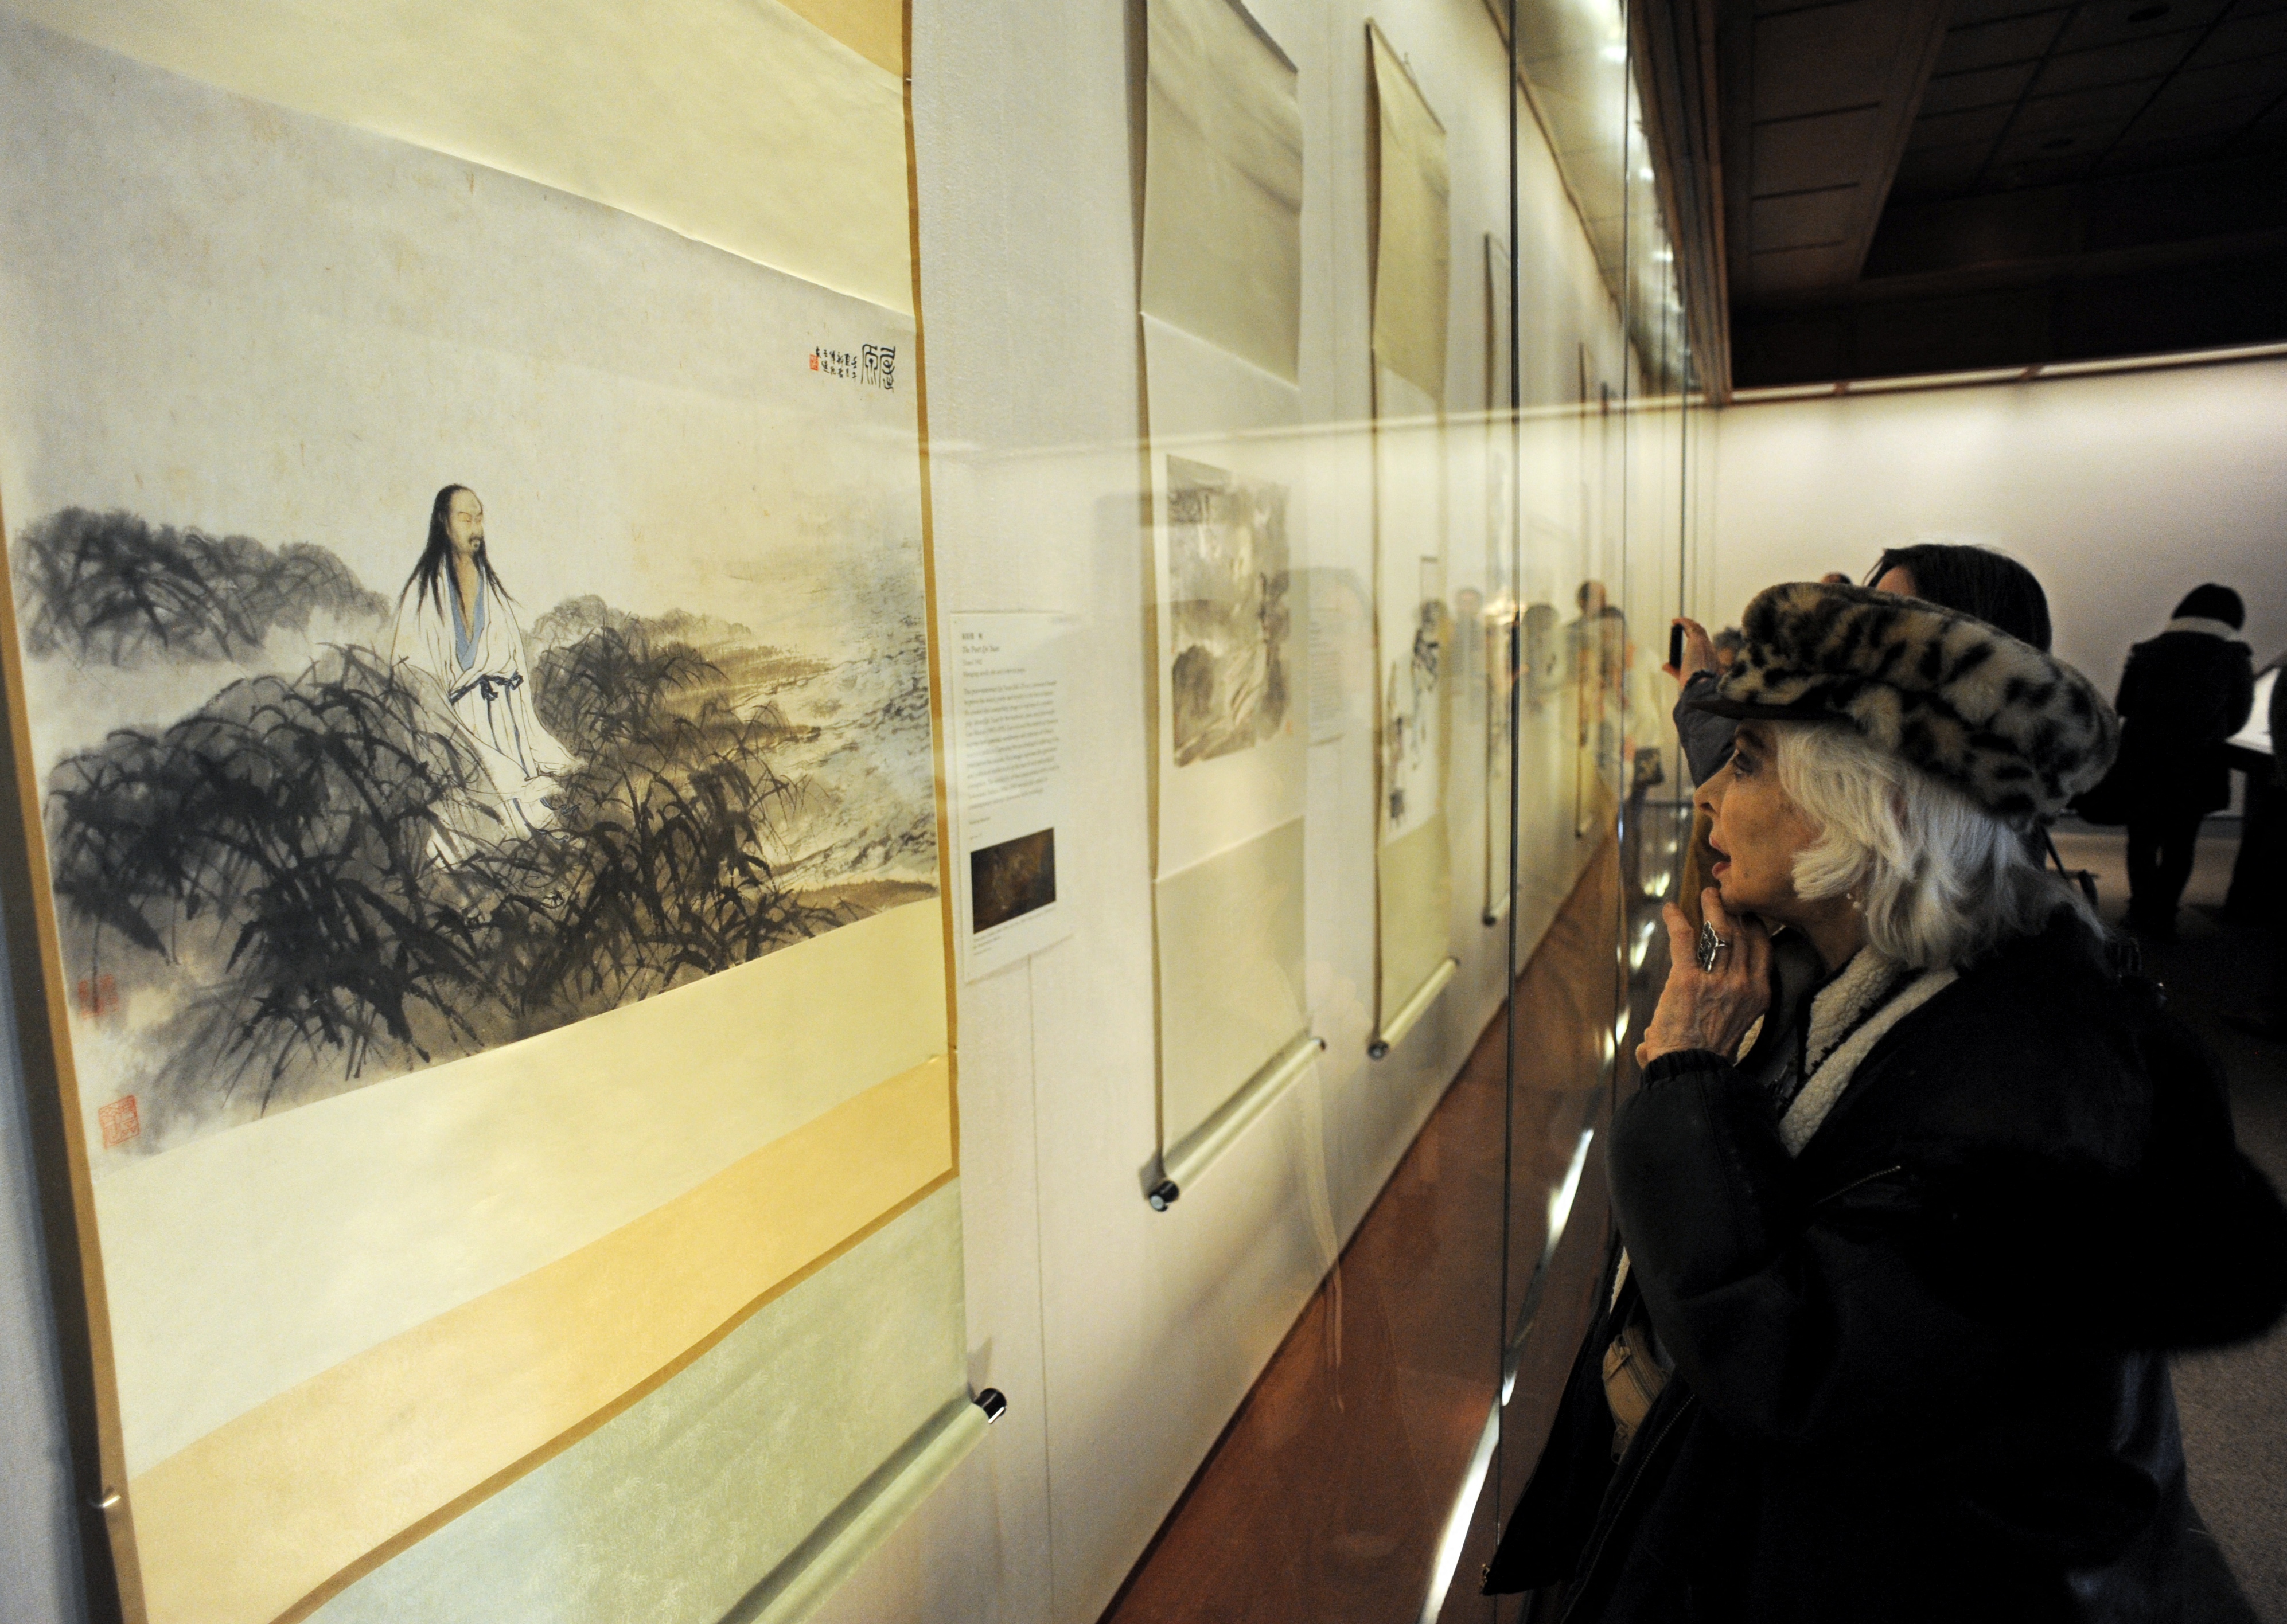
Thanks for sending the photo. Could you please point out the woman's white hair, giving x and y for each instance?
(1940, 880)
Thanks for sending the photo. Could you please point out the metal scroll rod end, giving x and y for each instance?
(1163, 1194)
(106, 1500)
(993, 1403)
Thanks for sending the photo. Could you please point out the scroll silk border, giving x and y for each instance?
(784, 142)
(268, 1509)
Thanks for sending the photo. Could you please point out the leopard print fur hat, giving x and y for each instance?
(2018, 730)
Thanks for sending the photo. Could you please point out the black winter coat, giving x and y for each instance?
(1918, 1372)
(2181, 695)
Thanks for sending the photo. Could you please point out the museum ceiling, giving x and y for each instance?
(1900, 187)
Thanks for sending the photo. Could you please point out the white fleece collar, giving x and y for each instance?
(1848, 1016)
(2206, 627)
(1838, 1007)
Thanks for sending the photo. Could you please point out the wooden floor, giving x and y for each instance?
(1327, 1496)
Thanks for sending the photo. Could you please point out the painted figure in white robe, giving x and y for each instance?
(458, 646)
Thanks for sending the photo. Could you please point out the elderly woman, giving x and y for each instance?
(1915, 1191)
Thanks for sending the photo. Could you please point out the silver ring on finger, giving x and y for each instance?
(1712, 949)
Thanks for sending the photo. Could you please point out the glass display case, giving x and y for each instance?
(828, 808)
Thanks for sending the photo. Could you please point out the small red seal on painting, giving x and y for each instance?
(118, 1122)
(99, 995)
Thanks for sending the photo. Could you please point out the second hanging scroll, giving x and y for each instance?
(1221, 314)
(1414, 635)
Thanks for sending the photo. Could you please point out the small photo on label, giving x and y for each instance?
(1016, 878)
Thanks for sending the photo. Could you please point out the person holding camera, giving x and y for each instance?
(1916, 1193)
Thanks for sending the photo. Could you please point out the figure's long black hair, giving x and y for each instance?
(422, 582)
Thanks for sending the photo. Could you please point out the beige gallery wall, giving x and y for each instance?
(2121, 491)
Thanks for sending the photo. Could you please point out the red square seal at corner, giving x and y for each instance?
(118, 1122)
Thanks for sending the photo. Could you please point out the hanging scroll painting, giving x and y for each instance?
(1220, 303)
(1502, 641)
(1413, 629)
(472, 647)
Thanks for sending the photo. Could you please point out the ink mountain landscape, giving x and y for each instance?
(1227, 578)
(260, 884)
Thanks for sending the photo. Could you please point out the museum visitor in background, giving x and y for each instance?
(2182, 694)
(1917, 1192)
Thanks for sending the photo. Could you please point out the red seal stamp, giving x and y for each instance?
(118, 1122)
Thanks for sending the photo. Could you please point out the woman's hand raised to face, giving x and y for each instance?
(1709, 1009)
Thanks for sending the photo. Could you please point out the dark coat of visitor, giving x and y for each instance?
(1920, 1369)
(2181, 695)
